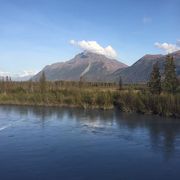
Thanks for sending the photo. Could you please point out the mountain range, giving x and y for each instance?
(98, 68)
(88, 66)
(140, 71)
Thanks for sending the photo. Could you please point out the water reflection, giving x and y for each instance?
(163, 133)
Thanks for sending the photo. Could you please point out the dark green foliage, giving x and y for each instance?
(30, 86)
(164, 104)
(170, 83)
(120, 83)
(155, 80)
(42, 83)
(2, 85)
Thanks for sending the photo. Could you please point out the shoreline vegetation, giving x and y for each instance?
(131, 98)
(161, 97)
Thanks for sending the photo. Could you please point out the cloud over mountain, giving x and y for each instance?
(168, 48)
(94, 47)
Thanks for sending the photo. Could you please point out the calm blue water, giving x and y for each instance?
(73, 144)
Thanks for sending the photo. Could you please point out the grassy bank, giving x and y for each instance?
(65, 97)
(103, 96)
(146, 103)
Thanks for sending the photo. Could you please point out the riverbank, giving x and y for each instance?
(124, 100)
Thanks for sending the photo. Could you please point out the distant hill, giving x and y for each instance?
(98, 68)
(89, 66)
(140, 71)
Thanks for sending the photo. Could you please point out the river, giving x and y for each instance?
(40, 143)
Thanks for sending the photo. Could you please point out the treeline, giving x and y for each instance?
(9, 86)
(160, 95)
(46, 86)
(168, 83)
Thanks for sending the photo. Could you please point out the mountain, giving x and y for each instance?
(140, 71)
(95, 67)
(89, 66)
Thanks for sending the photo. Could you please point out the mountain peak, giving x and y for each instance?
(140, 71)
(88, 53)
(151, 56)
(93, 66)
(176, 53)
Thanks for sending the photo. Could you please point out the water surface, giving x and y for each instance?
(73, 144)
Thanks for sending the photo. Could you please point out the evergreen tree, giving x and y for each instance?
(155, 80)
(120, 83)
(3, 85)
(170, 82)
(7, 79)
(42, 82)
(30, 86)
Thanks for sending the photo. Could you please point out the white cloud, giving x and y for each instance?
(168, 48)
(147, 20)
(2, 73)
(20, 74)
(94, 47)
(26, 73)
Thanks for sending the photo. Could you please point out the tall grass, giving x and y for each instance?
(103, 96)
(164, 104)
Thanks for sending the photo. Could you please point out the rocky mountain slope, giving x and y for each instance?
(140, 71)
(95, 67)
(88, 66)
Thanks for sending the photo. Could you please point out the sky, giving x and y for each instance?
(35, 33)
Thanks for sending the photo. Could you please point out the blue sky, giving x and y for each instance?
(34, 33)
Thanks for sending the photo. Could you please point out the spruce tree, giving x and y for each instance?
(120, 83)
(30, 86)
(170, 83)
(155, 80)
(42, 82)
